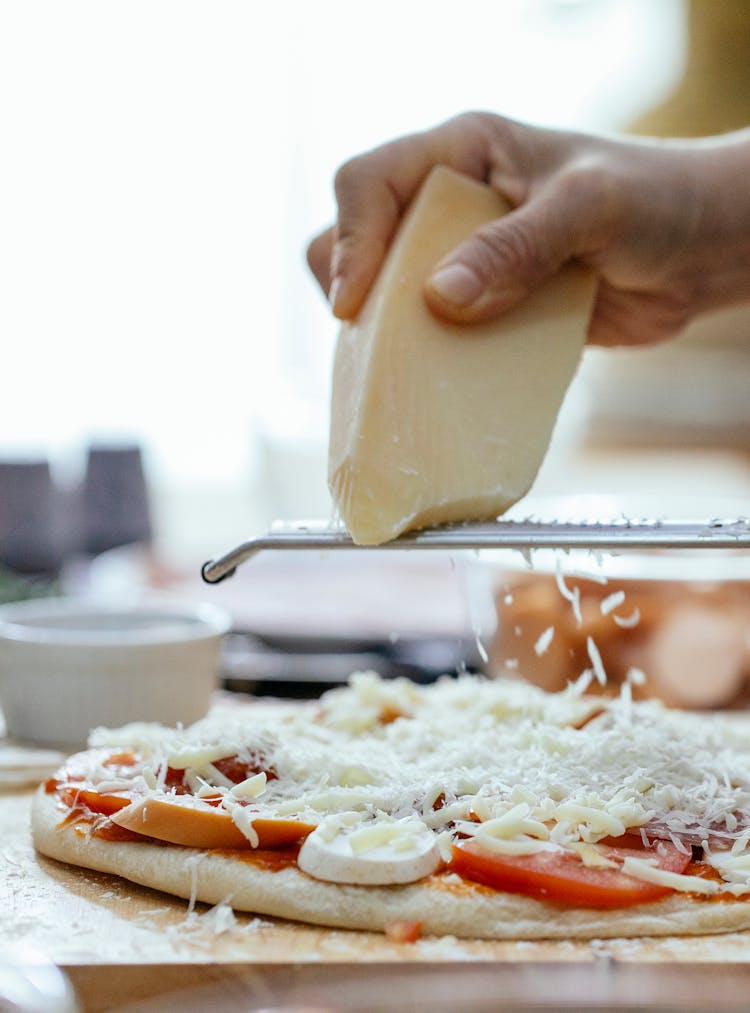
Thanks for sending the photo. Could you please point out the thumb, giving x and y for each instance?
(502, 262)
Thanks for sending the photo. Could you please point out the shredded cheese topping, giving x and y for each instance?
(517, 769)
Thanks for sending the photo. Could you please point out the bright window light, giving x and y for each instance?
(165, 162)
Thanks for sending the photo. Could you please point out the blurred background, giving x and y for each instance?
(166, 356)
(165, 164)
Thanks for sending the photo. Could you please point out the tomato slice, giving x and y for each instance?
(231, 767)
(96, 802)
(238, 770)
(562, 876)
(120, 760)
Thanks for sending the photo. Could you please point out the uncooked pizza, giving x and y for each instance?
(471, 807)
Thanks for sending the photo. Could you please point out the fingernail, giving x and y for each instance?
(334, 292)
(337, 254)
(456, 284)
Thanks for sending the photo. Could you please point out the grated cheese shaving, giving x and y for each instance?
(243, 820)
(522, 845)
(219, 919)
(331, 825)
(596, 661)
(583, 681)
(192, 864)
(116, 784)
(592, 858)
(626, 701)
(741, 843)
(574, 596)
(643, 868)
(444, 842)
(381, 832)
(611, 602)
(251, 787)
(635, 677)
(542, 644)
(628, 622)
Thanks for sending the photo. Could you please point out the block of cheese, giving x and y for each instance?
(433, 422)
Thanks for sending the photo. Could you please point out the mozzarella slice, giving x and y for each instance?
(388, 853)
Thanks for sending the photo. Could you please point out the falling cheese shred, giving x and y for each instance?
(628, 622)
(574, 596)
(611, 602)
(542, 645)
(596, 661)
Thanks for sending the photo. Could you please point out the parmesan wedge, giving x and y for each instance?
(431, 422)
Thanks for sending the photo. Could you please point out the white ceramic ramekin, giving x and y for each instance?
(67, 666)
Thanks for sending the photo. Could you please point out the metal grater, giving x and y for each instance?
(611, 536)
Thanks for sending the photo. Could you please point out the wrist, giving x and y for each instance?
(722, 237)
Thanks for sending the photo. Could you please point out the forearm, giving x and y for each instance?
(720, 270)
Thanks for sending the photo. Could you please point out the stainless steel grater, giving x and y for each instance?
(615, 535)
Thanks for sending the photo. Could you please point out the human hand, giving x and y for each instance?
(664, 225)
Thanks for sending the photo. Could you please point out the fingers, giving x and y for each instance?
(574, 197)
(373, 191)
(505, 260)
(369, 209)
(319, 258)
(319, 252)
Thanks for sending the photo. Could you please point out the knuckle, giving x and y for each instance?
(501, 250)
(348, 174)
(475, 119)
(592, 185)
(467, 138)
(470, 120)
(318, 250)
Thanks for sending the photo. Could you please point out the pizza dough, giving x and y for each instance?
(444, 905)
